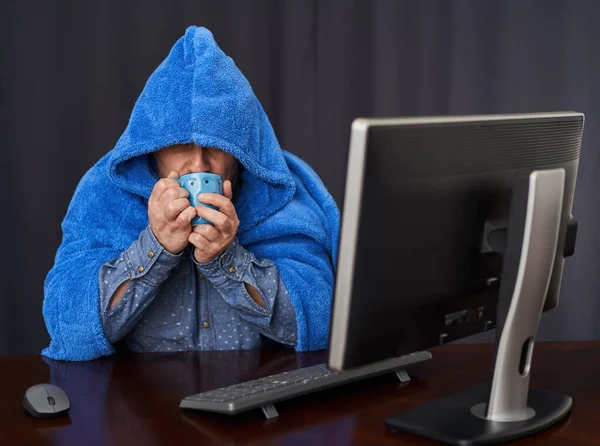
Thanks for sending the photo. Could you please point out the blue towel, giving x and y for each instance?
(197, 94)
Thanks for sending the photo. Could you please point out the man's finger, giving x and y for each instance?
(223, 203)
(227, 189)
(162, 186)
(172, 194)
(208, 231)
(200, 242)
(184, 219)
(221, 222)
(175, 207)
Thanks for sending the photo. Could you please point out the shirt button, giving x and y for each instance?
(150, 254)
(232, 270)
(140, 269)
(222, 260)
(206, 325)
(201, 276)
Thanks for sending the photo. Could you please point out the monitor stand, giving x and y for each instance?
(505, 409)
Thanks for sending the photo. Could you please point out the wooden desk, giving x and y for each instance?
(134, 399)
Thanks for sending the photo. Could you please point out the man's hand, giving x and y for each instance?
(170, 214)
(212, 241)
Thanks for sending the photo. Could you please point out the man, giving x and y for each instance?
(131, 267)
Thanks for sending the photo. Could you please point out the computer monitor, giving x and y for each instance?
(452, 226)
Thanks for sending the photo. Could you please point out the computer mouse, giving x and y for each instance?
(46, 401)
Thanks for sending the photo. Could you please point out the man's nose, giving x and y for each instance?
(199, 162)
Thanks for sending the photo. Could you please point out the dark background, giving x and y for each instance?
(70, 72)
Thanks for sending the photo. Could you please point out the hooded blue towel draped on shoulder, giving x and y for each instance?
(197, 94)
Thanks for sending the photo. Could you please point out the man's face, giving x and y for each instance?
(190, 158)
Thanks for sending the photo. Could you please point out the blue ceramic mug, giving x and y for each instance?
(201, 183)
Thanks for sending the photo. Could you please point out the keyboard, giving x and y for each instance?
(264, 392)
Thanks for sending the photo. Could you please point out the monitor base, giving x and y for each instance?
(451, 420)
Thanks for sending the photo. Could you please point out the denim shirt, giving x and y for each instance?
(173, 303)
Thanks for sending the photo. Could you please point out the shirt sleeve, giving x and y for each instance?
(146, 264)
(228, 272)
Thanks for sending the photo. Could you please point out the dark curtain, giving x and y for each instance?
(70, 72)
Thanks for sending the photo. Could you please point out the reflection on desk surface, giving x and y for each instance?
(275, 431)
(134, 399)
(116, 399)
